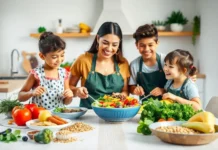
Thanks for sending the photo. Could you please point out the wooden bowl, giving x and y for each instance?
(181, 139)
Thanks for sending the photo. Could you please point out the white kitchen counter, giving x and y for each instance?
(105, 136)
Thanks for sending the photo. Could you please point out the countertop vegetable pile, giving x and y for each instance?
(154, 110)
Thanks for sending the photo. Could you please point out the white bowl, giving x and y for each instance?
(175, 27)
(53, 128)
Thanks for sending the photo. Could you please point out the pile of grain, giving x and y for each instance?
(78, 127)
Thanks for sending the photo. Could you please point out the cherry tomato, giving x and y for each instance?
(36, 111)
(21, 116)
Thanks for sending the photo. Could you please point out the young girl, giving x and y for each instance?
(178, 66)
(147, 76)
(49, 82)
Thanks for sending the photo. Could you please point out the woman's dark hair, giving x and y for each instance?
(109, 28)
(183, 59)
(146, 31)
(49, 42)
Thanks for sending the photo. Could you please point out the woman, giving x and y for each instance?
(102, 69)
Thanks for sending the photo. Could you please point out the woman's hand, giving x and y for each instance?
(138, 91)
(68, 94)
(82, 92)
(157, 91)
(169, 96)
(38, 91)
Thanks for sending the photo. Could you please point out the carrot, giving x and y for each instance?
(161, 119)
(56, 121)
(59, 118)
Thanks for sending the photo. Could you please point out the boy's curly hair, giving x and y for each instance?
(146, 31)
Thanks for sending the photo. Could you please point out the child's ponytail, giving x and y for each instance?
(193, 70)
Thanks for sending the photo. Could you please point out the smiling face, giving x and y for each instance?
(172, 71)
(53, 59)
(108, 45)
(147, 47)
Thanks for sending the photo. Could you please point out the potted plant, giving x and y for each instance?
(195, 28)
(176, 21)
(160, 25)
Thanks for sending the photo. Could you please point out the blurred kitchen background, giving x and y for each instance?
(20, 18)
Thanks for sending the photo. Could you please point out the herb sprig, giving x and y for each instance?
(7, 105)
(9, 136)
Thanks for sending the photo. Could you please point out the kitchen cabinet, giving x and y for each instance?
(78, 35)
(10, 89)
(11, 95)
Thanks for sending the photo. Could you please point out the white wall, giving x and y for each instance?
(208, 45)
(20, 18)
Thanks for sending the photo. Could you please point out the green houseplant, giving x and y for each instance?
(195, 28)
(160, 25)
(176, 21)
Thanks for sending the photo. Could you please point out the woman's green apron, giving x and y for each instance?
(99, 85)
(149, 81)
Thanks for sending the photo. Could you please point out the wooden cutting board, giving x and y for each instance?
(3, 82)
(26, 62)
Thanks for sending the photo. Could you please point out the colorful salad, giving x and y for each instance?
(116, 101)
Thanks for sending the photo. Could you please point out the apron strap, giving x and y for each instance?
(94, 62)
(140, 65)
(182, 88)
(116, 66)
(159, 62)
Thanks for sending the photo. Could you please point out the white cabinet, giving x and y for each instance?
(11, 95)
(200, 85)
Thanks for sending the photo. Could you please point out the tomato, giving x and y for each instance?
(30, 106)
(161, 120)
(113, 105)
(21, 116)
(36, 111)
(171, 119)
(134, 102)
(15, 108)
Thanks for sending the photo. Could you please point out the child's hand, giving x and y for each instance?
(39, 91)
(82, 92)
(138, 91)
(169, 96)
(157, 91)
(68, 94)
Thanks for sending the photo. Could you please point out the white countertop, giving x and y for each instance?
(105, 136)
